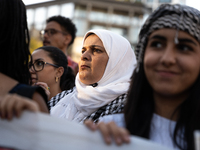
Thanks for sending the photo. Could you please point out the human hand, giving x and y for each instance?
(110, 130)
(13, 105)
(45, 87)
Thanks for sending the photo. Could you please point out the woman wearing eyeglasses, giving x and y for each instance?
(49, 70)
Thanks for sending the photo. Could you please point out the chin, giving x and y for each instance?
(86, 81)
(86, 78)
(167, 92)
(46, 44)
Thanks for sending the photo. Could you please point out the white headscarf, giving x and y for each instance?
(86, 99)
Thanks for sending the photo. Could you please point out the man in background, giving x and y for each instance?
(60, 32)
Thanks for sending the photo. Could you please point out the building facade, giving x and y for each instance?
(155, 3)
(124, 18)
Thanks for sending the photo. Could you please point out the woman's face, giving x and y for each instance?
(171, 69)
(48, 73)
(93, 60)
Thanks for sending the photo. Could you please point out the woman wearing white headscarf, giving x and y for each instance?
(105, 69)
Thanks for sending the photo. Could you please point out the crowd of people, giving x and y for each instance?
(152, 92)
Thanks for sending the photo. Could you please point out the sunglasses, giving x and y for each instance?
(38, 65)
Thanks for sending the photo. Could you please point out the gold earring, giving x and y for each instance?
(57, 79)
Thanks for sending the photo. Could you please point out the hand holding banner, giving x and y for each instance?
(37, 131)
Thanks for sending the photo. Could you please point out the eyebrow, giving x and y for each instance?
(92, 46)
(49, 29)
(181, 40)
(38, 59)
(159, 37)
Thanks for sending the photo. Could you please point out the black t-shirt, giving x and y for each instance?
(28, 91)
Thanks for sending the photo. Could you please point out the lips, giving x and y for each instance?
(84, 66)
(166, 73)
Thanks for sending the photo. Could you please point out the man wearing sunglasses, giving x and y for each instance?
(60, 32)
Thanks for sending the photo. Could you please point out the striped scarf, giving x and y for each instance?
(179, 17)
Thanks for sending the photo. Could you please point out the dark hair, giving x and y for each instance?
(139, 110)
(66, 24)
(140, 105)
(67, 80)
(14, 40)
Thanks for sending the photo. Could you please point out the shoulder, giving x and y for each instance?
(114, 107)
(28, 91)
(23, 90)
(54, 100)
(35, 93)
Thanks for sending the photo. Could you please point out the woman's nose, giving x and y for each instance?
(86, 55)
(31, 69)
(169, 56)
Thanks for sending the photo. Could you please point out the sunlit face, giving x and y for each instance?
(93, 60)
(48, 74)
(57, 39)
(171, 69)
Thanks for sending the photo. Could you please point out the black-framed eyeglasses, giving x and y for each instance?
(39, 65)
(51, 32)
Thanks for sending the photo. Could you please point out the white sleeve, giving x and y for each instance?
(117, 118)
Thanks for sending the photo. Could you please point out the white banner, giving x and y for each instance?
(37, 131)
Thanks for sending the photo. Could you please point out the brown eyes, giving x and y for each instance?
(181, 46)
(94, 50)
(156, 44)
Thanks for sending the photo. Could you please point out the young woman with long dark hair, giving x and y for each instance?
(163, 102)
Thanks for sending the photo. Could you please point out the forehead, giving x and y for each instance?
(53, 25)
(40, 54)
(93, 40)
(171, 33)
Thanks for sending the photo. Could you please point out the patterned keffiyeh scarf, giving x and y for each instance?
(179, 17)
